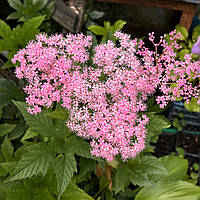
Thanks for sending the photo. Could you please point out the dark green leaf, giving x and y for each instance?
(6, 128)
(95, 14)
(65, 167)
(7, 149)
(35, 161)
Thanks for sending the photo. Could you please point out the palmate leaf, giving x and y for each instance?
(170, 190)
(65, 167)
(35, 161)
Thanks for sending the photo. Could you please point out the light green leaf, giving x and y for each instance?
(192, 106)
(62, 114)
(35, 161)
(196, 33)
(118, 25)
(73, 192)
(156, 124)
(16, 4)
(172, 190)
(6, 128)
(7, 149)
(182, 53)
(4, 29)
(177, 167)
(97, 30)
(65, 167)
(182, 30)
(29, 134)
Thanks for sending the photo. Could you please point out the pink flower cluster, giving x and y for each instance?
(106, 88)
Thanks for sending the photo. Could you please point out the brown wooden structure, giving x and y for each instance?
(188, 9)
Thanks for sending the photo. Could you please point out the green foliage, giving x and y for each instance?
(42, 124)
(107, 31)
(169, 190)
(155, 126)
(6, 128)
(138, 171)
(62, 114)
(183, 31)
(18, 37)
(65, 167)
(30, 8)
(192, 106)
(8, 92)
(7, 149)
(35, 161)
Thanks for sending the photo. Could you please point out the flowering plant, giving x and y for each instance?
(105, 88)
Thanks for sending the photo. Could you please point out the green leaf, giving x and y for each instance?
(30, 28)
(138, 171)
(97, 30)
(118, 25)
(34, 162)
(40, 4)
(73, 192)
(157, 123)
(122, 179)
(196, 33)
(7, 149)
(14, 15)
(50, 9)
(79, 147)
(182, 53)
(41, 124)
(62, 114)
(7, 65)
(6, 128)
(16, 4)
(183, 31)
(9, 91)
(192, 106)
(28, 135)
(143, 168)
(176, 190)
(95, 14)
(86, 167)
(177, 167)
(65, 167)
(4, 29)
